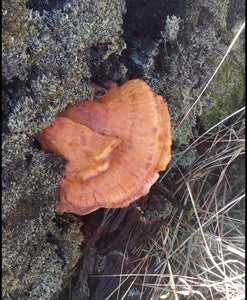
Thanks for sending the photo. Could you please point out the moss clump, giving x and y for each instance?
(228, 93)
(15, 26)
(41, 253)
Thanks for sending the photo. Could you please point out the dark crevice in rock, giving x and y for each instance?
(36, 144)
(47, 5)
(103, 71)
(11, 93)
(143, 24)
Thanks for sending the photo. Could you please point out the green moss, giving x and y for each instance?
(228, 93)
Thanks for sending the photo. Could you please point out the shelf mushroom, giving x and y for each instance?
(115, 148)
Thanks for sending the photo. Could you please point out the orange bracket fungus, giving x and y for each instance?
(114, 148)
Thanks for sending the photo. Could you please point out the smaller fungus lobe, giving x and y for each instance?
(114, 148)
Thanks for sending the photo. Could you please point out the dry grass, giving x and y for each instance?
(203, 248)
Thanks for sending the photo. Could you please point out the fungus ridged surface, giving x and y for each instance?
(86, 151)
(132, 131)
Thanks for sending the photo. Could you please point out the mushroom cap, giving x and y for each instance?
(165, 156)
(140, 119)
(86, 151)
